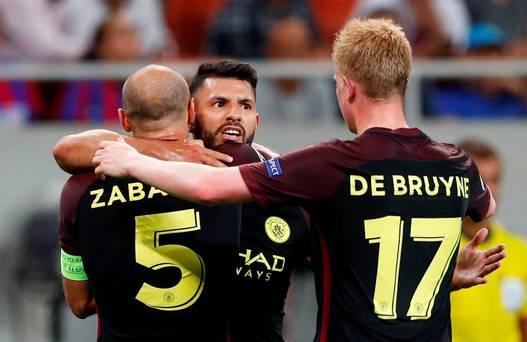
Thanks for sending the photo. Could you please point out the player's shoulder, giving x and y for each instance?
(333, 145)
(240, 153)
(78, 183)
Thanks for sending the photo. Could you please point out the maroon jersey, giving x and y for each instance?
(159, 267)
(389, 207)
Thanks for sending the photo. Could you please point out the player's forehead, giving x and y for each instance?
(229, 88)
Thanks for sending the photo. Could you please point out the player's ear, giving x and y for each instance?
(125, 122)
(191, 115)
(351, 89)
(257, 119)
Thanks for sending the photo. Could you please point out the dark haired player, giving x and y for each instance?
(388, 205)
(274, 241)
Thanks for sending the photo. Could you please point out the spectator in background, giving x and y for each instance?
(117, 40)
(510, 16)
(330, 17)
(435, 28)
(481, 98)
(241, 27)
(20, 101)
(42, 30)
(188, 22)
(496, 311)
(293, 98)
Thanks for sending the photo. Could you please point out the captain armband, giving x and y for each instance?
(72, 267)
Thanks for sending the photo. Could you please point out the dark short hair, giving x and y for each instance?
(224, 69)
(477, 148)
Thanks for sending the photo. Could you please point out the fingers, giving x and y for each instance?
(480, 281)
(198, 142)
(495, 258)
(225, 158)
(105, 143)
(99, 173)
(494, 250)
(490, 268)
(96, 161)
(479, 238)
(212, 161)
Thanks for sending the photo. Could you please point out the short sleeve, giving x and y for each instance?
(298, 178)
(480, 196)
(71, 193)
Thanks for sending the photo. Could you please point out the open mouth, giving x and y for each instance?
(232, 132)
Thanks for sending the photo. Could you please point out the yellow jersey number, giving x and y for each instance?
(388, 233)
(149, 253)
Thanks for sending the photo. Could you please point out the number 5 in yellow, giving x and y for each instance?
(149, 253)
(388, 232)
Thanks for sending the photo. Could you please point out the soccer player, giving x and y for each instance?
(156, 266)
(388, 205)
(274, 241)
(497, 311)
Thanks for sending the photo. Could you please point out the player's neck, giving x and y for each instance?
(170, 133)
(386, 114)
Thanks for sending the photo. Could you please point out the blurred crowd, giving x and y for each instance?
(167, 30)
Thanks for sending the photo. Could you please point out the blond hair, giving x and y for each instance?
(375, 54)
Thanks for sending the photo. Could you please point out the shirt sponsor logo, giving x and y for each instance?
(273, 167)
(277, 229)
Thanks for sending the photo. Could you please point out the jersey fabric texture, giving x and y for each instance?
(159, 267)
(492, 312)
(273, 242)
(388, 206)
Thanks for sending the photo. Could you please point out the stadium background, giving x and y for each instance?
(29, 283)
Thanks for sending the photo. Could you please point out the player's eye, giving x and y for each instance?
(218, 104)
(246, 106)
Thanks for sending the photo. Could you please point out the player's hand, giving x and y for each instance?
(473, 265)
(113, 158)
(188, 151)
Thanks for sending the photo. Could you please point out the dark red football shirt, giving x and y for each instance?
(159, 267)
(388, 206)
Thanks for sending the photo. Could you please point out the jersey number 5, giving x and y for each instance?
(149, 253)
(388, 233)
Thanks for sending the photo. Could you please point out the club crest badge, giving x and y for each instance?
(277, 229)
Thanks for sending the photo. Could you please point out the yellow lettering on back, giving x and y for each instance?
(430, 192)
(460, 187)
(354, 191)
(135, 191)
(466, 181)
(116, 196)
(98, 194)
(377, 185)
(448, 184)
(415, 184)
(154, 191)
(399, 185)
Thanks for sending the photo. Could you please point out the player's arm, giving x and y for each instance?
(76, 287)
(79, 298)
(192, 182)
(74, 152)
(473, 265)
